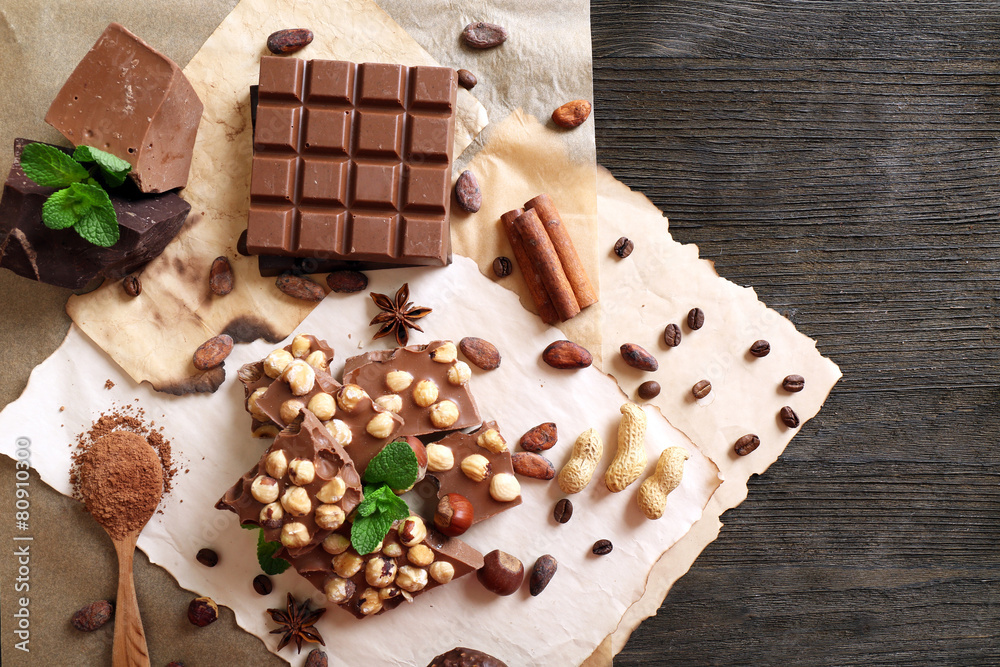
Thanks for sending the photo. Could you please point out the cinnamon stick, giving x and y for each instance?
(546, 260)
(575, 273)
(531, 278)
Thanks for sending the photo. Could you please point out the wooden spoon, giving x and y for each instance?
(121, 481)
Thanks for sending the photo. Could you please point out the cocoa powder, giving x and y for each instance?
(121, 481)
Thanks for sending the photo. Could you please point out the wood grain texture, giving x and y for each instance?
(842, 158)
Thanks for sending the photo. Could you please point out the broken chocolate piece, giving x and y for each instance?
(62, 257)
(128, 99)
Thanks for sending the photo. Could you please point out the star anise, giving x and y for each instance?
(297, 622)
(397, 315)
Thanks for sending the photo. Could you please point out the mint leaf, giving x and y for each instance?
(371, 526)
(265, 556)
(396, 465)
(50, 167)
(368, 531)
(113, 168)
(60, 210)
(97, 223)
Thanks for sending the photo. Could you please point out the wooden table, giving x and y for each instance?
(842, 158)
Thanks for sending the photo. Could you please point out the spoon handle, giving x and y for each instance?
(130, 640)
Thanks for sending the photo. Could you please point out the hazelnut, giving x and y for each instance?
(370, 603)
(300, 376)
(420, 555)
(340, 432)
(380, 572)
(336, 544)
(440, 458)
(271, 515)
(504, 487)
(294, 535)
(445, 354)
(454, 514)
(389, 592)
(444, 414)
(390, 403)
(350, 396)
(276, 464)
(501, 573)
(275, 363)
(476, 467)
(296, 501)
(412, 579)
(264, 489)
(392, 548)
(253, 408)
(301, 472)
(412, 531)
(323, 406)
(442, 571)
(300, 346)
(492, 440)
(459, 373)
(338, 590)
(397, 381)
(425, 393)
(318, 360)
(330, 517)
(290, 409)
(203, 611)
(347, 564)
(266, 431)
(332, 491)
(381, 425)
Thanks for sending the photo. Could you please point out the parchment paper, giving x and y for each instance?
(588, 595)
(153, 336)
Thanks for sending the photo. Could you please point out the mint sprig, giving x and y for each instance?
(81, 202)
(396, 465)
(265, 553)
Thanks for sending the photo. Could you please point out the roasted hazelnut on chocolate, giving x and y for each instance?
(336, 544)
(301, 472)
(381, 425)
(275, 363)
(291, 409)
(276, 464)
(440, 458)
(391, 547)
(339, 590)
(296, 501)
(318, 360)
(397, 381)
(454, 514)
(347, 564)
(332, 491)
(390, 403)
(442, 571)
(491, 440)
(412, 531)
(370, 602)
(445, 354)
(380, 572)
(330, 517)
(300, 376)
(501, 573)
(504, 487)
(340, 432)
(264, 489)
(412, 579)
(350, 396)
(323, 406)
(420, 555)
(266, 431)
(271, 515)
(444, 414)
(294, 535)
(425, 393)
(459, 373)
(301, 346)
(476, 467)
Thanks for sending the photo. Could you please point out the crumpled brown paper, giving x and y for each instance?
(154, 335)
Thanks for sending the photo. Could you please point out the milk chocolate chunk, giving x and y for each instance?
(470, 477)
(400, 573)
(300, 491)
(352, 163)
(127, 98)
(431, 382)
(62, 257)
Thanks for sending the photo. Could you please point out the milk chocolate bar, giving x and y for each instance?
(127, 98)
(352, 163)
(63, 258)
(375, 583)
(425, 384)
(454, 477)
(300, 491)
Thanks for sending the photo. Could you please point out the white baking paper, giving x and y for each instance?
(589, 594)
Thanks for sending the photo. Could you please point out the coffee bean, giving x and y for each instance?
(347, 282)
(789, 418)
(262, 584)
(131, 285)
(207, 557)
(793, 383)
(563, 511)
(467, 79)
(481, 35)
(502, 267)
(760, 348)
(541, 574)
(220, 277)
(648, 390)
(602, 547)
(467, 192)
(701, 389)
(696, 319)
(289, 41)
(747, 444)
(672, 335)
(637, 357)
(624, 247)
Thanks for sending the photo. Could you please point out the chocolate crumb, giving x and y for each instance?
(108, 384)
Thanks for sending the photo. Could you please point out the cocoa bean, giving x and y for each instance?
(540, 438)
(220, 278)
(541, 574)
(299, 287)
(212, 352)
(532, 465)
(637, 357)
(571, 115)
(565, 354)
(289, 41)
(316, 658)
(92, 616)
(467, 192)
(481, 35)
(347, 282)
(481, 353)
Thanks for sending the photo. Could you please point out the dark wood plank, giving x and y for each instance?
(842, 159)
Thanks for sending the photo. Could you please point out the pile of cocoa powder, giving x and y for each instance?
(121, 481)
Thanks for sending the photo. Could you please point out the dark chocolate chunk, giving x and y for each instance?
(465, 657)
